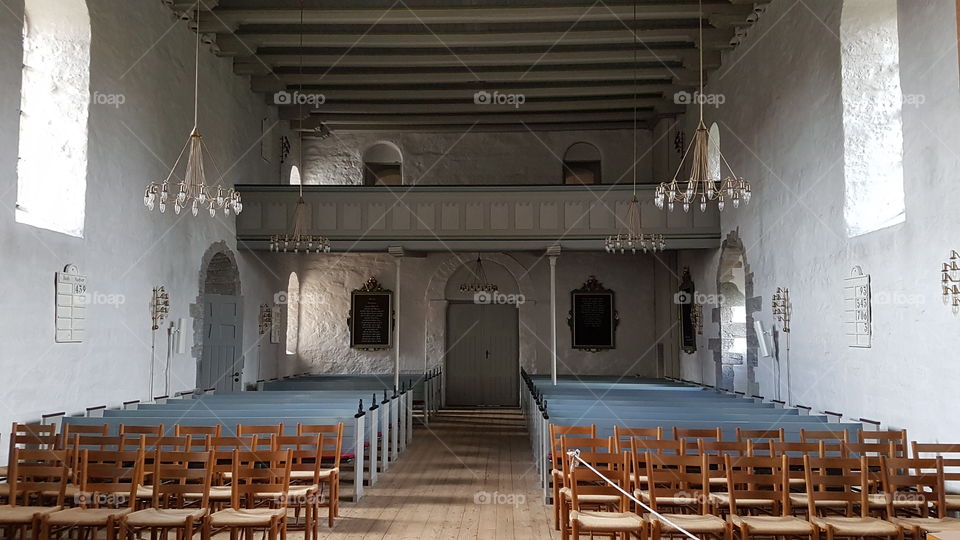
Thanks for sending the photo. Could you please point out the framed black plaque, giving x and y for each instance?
(688, 308)
(593, 317)
(371, 317)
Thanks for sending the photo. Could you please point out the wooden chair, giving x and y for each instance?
(796, 475)
(832, 440)
(107, 493)
(223, 451)
(896, 436)
(587, 446)
(640, 449)
(714, 451)
(681, 482)
(596, 507)
(761, 436)
(331, 453)
(198, 432)
(833, 480)
(920, 481)
(34, 437)
(256, 476)
(305, 488)
(150, 444)
(136, 431)
(950, 453)
(178, 477)
(30, 473)
(623, 435)
(556, 459)
(756, 482)
(692, 436)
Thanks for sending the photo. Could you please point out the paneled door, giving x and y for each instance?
(482, 355)
(221, 361)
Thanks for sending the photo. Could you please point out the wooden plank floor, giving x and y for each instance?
(468, 475)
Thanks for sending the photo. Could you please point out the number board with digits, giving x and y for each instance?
(857, 311)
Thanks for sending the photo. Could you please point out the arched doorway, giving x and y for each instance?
(220, 342)
(482, 338)
(735, 368)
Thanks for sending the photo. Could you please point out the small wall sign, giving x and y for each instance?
(857, 310)
(71, 305)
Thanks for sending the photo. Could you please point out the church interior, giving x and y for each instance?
(479, 269)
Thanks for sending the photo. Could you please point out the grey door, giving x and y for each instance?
(221, 361)
(482, 355)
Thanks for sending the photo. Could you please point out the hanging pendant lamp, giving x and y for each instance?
(703, 185)
(193, 192)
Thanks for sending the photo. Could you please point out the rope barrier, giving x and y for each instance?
(575, 454)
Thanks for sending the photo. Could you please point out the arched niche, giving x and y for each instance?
(582, 164)
(736, 354)
(383, 165)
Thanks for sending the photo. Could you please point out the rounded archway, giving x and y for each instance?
(735, 360)
(383, 165)
(582, 164)
(218, 321)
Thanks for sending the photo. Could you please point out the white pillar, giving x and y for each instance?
(553, 318)
(396, 330)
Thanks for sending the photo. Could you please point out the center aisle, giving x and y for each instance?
(469, 474)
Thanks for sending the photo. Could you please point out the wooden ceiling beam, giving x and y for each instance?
(518, 117)
(468, 106)
(225, 19)
(245, 43)
(622, 89)
(462, 128)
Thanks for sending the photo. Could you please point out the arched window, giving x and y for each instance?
(295, 179)
(54, 105)
(581, 164)
(872, 108)
(382, 165)
(713, 152)
(293, 313)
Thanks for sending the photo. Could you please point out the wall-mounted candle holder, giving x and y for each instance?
(160, 306)
(782, 308)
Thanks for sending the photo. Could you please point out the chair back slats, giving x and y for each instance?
(917, 481)
(33, 473)
(556, 432)
(156, 430)
(756, 477)
(260, 475)
(682, 477)
(898, 437)
(719, 448)
(949, 452)
(331, 444)
(110, 477)
(836, 479)
(34, 436)
(583, 481)
(832, 440)
(179, 474)
(306, 453)
(168, 443)
(198, 431)
(101, 442)
(74, 429)
(622, 435)
(871, 450)
(691, 435)
(760, 435)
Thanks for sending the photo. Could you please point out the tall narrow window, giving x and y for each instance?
(54, 105)
(293, 313)
(581, 164)
(872, 123)
(295, 179)
(382, 165)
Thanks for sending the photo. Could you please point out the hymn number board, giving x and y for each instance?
(593, 318)
(371, 317)
(856, 306)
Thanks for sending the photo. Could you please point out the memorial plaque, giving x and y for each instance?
(856, 302)
(371, 317)
(686, 297)
(593, 317)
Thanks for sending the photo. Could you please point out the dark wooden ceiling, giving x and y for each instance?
(417, 64)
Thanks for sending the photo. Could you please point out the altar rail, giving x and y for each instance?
(429, 218)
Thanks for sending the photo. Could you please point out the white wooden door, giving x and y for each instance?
(221, 361)
(482, 355)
